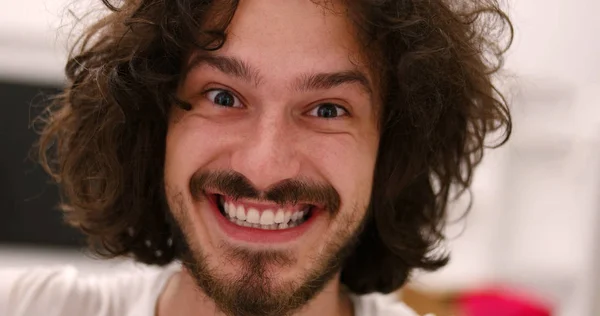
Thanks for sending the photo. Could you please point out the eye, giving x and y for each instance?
(328, 111)
(223, 98)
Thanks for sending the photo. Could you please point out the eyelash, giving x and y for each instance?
(316, 108)
(234, 95)
(238, 99)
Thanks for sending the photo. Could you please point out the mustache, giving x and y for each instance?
(288, 191)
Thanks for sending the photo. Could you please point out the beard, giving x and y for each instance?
(254, 290)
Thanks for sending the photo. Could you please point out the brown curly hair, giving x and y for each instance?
(103, 140)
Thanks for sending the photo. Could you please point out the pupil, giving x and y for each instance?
(224, 99)
(327, 111)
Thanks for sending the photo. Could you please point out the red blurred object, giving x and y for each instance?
(500, 303)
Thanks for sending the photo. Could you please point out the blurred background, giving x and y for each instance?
(534, 227)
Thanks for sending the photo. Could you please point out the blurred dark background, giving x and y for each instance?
(28, 199)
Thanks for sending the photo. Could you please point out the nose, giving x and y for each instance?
(267, 154)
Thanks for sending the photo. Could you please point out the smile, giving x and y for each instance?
(261, 216)
(252, 221)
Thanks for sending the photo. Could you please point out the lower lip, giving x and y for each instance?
(257, 235)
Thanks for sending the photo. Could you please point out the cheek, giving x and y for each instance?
(358, 182)
(189, 145)
(348, 164)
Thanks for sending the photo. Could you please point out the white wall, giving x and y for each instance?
(537, 204)
(33, 37)
(557, 39)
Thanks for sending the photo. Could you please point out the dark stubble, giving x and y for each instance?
(255, 291)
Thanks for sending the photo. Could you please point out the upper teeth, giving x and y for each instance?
(266, 217)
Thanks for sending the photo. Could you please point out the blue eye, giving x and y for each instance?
(223, 98)
(328, 111)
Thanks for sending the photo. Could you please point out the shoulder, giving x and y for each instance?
(21, 288)
(377, 304)
(64, 291)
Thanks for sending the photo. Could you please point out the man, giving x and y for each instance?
(279, 157)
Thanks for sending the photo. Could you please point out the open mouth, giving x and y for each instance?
(263, 217)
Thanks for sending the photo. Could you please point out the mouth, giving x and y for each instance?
(262, 222)
(263, 216)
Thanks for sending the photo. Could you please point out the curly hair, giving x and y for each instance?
(103, 139)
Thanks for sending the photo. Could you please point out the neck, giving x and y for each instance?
(181, 296)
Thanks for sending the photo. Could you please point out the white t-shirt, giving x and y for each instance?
(63, 291)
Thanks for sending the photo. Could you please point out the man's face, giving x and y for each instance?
(269, 174)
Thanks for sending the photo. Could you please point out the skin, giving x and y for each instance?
(274, 132)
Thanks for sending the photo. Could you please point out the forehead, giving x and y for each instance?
(284, 39)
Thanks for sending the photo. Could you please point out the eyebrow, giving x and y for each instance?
(238, 68)
(228, 65)
(321, 81)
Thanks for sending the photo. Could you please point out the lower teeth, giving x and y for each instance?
(265, 227)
